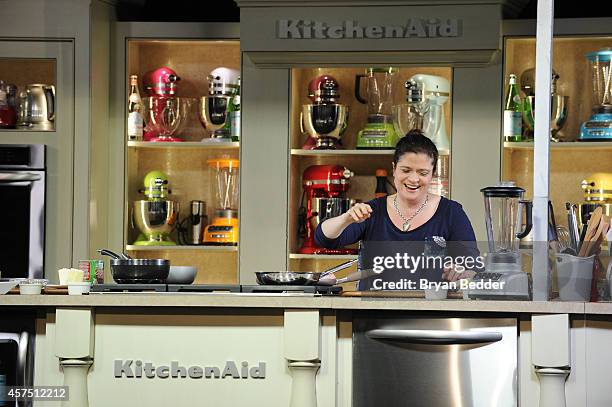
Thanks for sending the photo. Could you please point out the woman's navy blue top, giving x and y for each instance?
(448, 233)
(449, 222)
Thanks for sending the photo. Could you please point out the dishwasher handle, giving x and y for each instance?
(434, 336)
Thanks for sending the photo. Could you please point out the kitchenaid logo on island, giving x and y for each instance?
(414, 28)
(136, 369)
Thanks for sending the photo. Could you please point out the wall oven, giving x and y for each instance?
(22, 207)
(17, 338)
(426, 360)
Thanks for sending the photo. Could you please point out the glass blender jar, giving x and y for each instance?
(503, 218)
(503, 277)
(379, 132)
(223, 229)
(599, 126)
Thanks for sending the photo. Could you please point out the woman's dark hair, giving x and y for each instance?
(416, 142)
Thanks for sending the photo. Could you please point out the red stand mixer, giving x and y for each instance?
(164, 111)
(325, 189)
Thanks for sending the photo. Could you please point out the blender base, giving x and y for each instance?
(511, 285)
(377, 136)
(598, 128)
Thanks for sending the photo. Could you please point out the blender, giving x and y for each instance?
(164, 113)
(324, 120)
(155, 216)
(325, 189)
(599, 126)
(223, 229)
(214, 108)
(503, 218)
(379, 132)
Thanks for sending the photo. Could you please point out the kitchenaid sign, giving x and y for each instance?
(414, 28)
(136, 369)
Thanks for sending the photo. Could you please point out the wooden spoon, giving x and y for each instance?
(595, 242)
(592, 228)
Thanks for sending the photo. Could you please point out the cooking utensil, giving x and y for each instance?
(137, 271)
(563, 240)
(574, 234)
(595, 242)
(592, 228)
(298, 278)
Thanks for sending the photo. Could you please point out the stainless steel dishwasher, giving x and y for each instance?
(407, 360)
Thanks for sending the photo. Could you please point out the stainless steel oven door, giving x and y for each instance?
(425, 361)
(22, 233)
(15, 367)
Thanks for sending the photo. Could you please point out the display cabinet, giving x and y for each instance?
(572, 160)
(39, 77)
(362, 163)
(192, 52)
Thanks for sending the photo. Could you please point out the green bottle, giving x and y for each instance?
(234, 114)
(513, 111)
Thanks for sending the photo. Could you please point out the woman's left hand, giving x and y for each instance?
(452, 274)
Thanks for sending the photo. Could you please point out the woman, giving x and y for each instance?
(411, 214)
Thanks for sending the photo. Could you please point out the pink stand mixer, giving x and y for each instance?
(164, 112)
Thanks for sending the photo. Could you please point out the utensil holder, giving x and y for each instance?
(574, 277)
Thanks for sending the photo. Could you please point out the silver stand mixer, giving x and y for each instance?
(503, 217)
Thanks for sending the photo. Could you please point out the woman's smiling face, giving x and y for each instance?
(412, 175)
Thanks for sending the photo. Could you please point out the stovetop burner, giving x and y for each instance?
(214, 288)
(117, 288)
(307, 289)
(204, 288)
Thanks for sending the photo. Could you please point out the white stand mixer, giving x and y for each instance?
(436, 92)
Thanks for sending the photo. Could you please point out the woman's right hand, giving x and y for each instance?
(359, 213)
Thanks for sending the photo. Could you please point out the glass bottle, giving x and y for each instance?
(512, 112)
(235, 114)
(381, 183)
(135, 122)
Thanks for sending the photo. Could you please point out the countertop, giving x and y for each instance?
(229, 300)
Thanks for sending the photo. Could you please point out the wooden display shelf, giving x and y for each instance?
(577, 145)
(184, 144)
(207, 248)
(299, 256)
(341, 153)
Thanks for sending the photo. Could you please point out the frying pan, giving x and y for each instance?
(126, 270)
(310, 277)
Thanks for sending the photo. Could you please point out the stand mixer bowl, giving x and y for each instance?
(325, 123)
(155, 220)
(213, 113)
(164, 116)
(558, 114)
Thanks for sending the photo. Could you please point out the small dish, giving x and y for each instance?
(181, 274)
(6, 286)
(32, 286)
(79, 288)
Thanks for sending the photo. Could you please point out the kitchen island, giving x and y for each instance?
(127, 348)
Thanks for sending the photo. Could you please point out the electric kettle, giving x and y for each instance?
(38, 107)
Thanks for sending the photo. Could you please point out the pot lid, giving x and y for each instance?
(506, 189)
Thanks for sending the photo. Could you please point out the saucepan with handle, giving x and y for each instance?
(126, 270)
(311, 277)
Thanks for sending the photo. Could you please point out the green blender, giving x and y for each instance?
(155, 216)
(379, 132)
